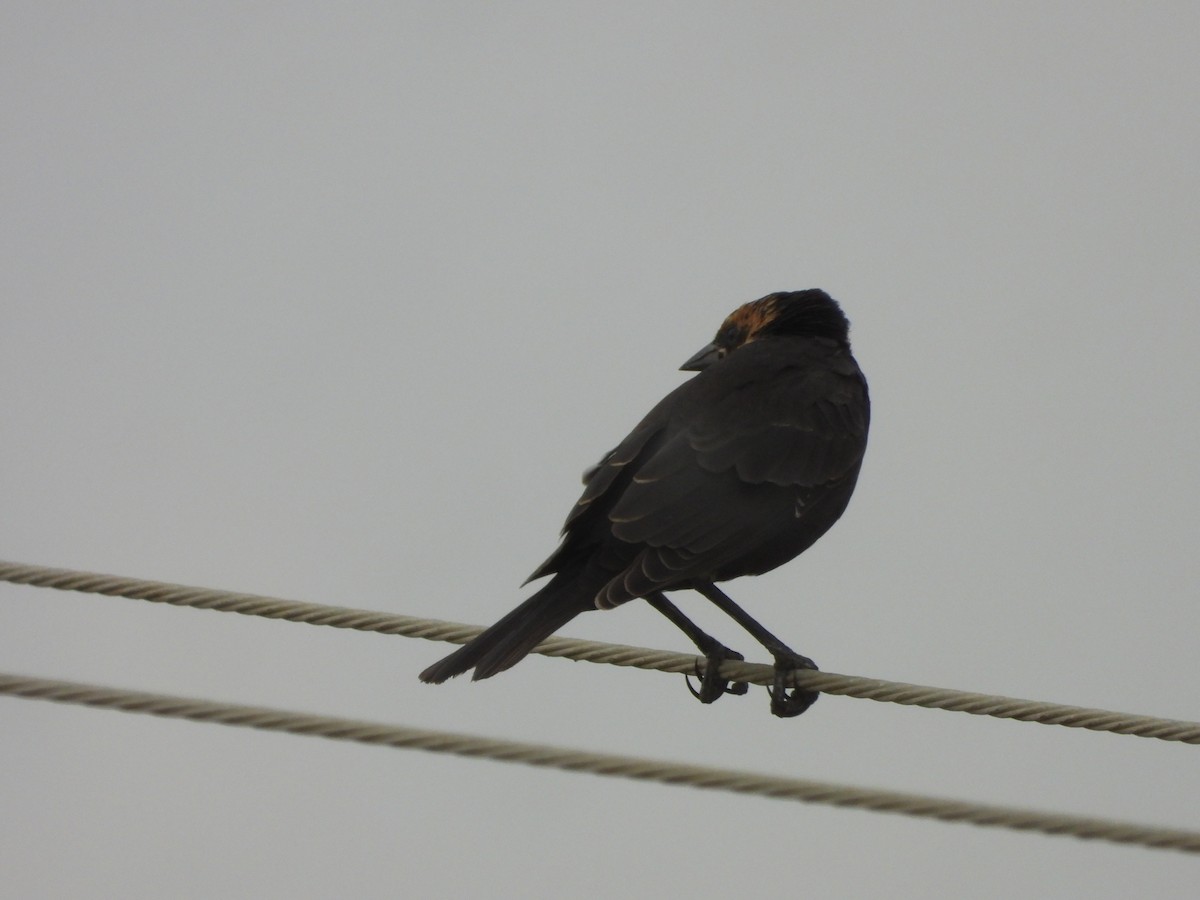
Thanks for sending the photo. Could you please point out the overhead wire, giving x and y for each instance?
(1041, 712)
(606, 764)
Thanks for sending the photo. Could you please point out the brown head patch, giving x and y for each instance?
(744, 324)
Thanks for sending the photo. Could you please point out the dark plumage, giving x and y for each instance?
(733, 473)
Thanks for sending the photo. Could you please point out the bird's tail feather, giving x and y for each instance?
(507, 642)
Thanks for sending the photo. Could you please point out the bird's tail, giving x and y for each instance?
(508, 641)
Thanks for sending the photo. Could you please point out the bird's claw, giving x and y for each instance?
(791, 701)
(712, 686)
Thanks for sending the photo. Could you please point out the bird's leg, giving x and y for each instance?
(711, 684)
(784, 701)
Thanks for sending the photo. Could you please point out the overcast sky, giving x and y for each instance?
(335, 303)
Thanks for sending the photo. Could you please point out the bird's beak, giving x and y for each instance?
(702, 360)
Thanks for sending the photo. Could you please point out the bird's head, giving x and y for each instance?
(811, 313)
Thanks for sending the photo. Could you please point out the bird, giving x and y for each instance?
(735, 472)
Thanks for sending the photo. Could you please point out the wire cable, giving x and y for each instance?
(998, 706)
(609, 764)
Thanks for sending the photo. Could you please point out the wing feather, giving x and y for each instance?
(708, 479)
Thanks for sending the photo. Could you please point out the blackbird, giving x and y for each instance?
(735, 472)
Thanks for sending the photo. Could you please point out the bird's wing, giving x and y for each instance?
(711, 492)
(587, 524)
(798, 426)
(697, 481)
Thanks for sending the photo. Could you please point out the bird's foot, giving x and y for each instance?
(790, 701)
(712, 686)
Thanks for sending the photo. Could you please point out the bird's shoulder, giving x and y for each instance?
(788, 411)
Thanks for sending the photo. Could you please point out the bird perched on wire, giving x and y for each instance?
(735, 472)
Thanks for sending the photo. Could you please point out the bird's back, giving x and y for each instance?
(734, 473)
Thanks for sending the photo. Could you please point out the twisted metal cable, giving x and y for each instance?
(613, 654)
(610, 764)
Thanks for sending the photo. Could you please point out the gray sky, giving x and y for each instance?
(336, 303)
